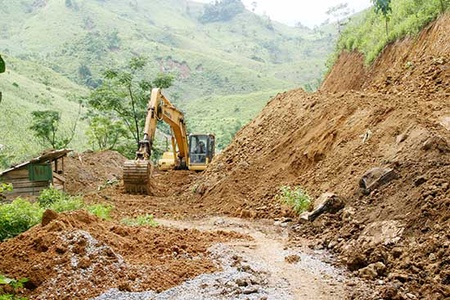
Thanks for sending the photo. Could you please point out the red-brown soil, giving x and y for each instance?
(91, 171)
(78, 256)
(394, 114)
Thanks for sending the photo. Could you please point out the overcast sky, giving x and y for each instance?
(307, 12)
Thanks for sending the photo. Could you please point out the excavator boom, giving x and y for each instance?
(137, 172)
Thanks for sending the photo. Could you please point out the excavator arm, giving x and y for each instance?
(137, 172)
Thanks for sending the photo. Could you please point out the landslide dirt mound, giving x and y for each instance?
(78, 256)
(89, 171)
(98, 177)
(398, 118)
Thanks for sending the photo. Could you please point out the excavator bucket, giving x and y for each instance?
(136, 176)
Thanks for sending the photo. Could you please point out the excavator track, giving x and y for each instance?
(136, 176)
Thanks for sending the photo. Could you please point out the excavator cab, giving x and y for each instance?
(201, 151)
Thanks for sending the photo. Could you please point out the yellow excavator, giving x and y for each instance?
(195, 151)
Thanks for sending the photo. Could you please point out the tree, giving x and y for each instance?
(220, 11)
(45, 125)
(339, 12)
(383, 7)
(2, 65)
(2, 70)
(122, 97)
(105, 132)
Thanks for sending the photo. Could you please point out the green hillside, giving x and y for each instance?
(26, 87)
(241, 59)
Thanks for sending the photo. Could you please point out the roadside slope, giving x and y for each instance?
(396, 115)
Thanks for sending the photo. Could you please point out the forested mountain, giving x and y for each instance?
(226, 61)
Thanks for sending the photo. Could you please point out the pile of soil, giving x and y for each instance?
(396, 116)
(91, 171)
(98, 177)
(76, 255)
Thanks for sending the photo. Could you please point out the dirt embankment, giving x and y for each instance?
(394, 115)
(417, 65)
(77, 256)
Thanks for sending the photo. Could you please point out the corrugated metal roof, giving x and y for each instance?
(49, 156)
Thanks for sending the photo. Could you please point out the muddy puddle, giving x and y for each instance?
(260, 268)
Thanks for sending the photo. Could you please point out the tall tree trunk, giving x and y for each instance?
(387, 28)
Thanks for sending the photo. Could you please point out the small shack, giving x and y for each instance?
(31, 177)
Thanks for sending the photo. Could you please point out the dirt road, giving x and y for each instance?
(259, 268)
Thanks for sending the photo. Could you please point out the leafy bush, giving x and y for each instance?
(140, 221)
(295, 197)
(5, 187)
(50, 196)
(58, 200)
(102, 211)
(67, 204)
(17, 217)
(15, 285)
(21, 214)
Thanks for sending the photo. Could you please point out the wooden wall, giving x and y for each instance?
(22, 186)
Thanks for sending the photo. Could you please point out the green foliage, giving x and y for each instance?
(382, 6)
(222, 11)
(118, 107)
(21, 214)
(105, 132)
(15, 284)
(103, 211)
(5, 187)
(2, 65)
(144, 220)
(17, 217)
(45, 126)
(295, 197)
(59, 201)
(163, 81)
(50, 196)
(367, 33)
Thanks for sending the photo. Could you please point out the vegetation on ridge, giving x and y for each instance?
(367, 32)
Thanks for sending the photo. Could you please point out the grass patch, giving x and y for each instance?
(15, 285)
(367, 32)
(103, 211)
(20, 215)
(295, 197)
(144, 220)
